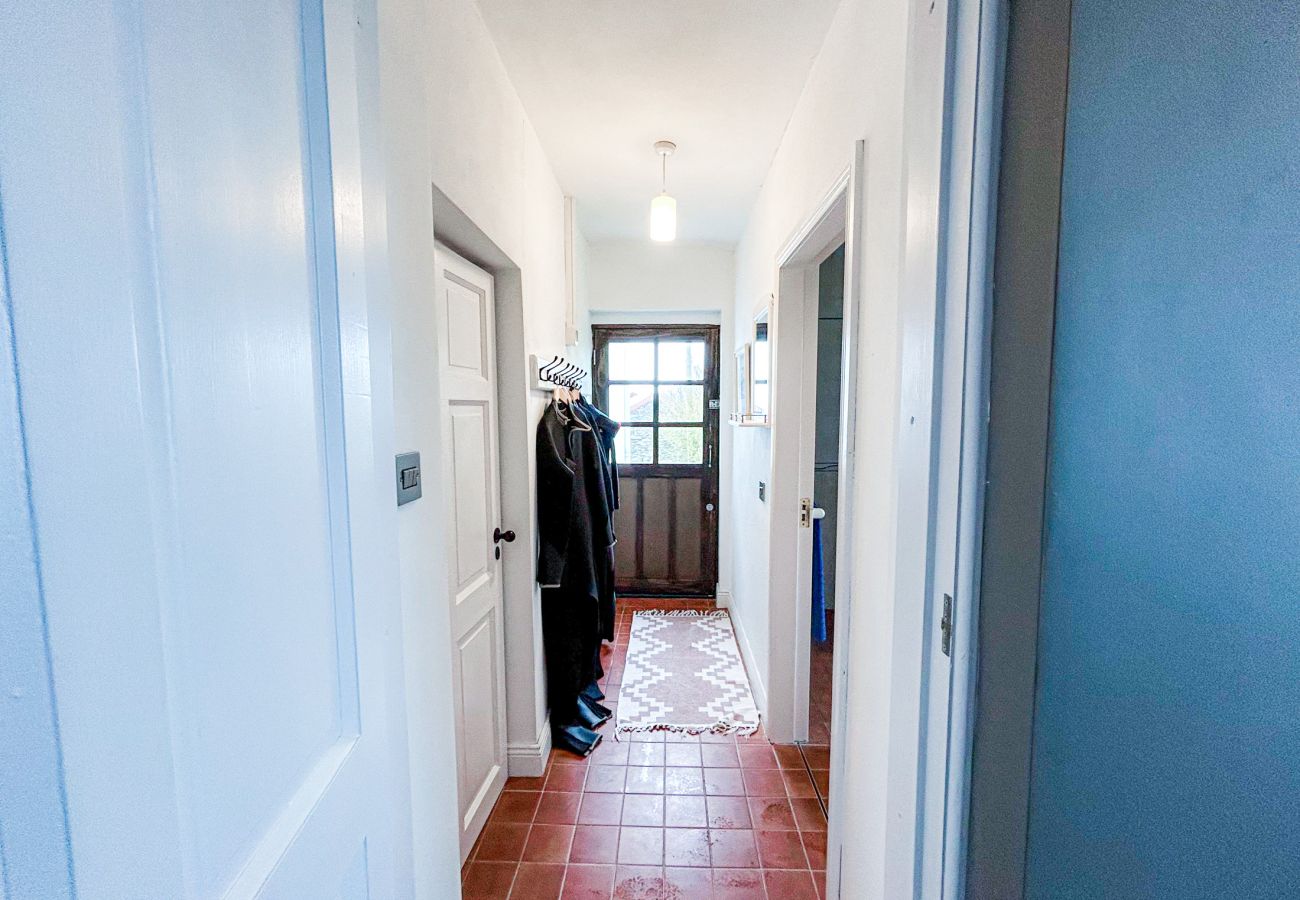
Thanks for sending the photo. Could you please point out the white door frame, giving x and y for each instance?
(961, 416)
(453, 387)
(944, 325)
(837, 218)
(528, 728)
(794, 392)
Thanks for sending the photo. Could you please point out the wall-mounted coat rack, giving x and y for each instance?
(555, 372)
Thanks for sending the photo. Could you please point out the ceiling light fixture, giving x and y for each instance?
(663, 209)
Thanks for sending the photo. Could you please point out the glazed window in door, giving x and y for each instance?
(658, 381)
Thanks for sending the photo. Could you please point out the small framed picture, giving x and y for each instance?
(742, 383)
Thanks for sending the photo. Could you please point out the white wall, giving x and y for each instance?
(642, 276)
(580, 351)
(855, 91)
(452, 119)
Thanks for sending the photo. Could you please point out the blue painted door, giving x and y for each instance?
(191, 468)
(1166, 756)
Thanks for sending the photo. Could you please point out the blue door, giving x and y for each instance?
(1166, 740)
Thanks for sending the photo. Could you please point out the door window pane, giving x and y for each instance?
(681, 360)
(632, 360)
(631, 402)
(634, 445)
(681, 403)
(681, 446)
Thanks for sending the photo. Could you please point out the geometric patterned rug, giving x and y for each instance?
(684, 673)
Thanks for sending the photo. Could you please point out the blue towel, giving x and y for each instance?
(818, 585)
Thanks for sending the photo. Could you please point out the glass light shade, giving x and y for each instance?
(663, 218)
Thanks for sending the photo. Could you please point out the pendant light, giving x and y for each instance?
(663, 209)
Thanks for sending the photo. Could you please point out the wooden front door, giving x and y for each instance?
(661, 383)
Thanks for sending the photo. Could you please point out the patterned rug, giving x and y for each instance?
(684, 673)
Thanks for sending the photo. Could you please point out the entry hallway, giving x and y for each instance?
(658, 816)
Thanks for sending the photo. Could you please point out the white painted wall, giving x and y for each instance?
(642, 276)
(855, 91)
(580, 352)
(452, 119)
(404, 30)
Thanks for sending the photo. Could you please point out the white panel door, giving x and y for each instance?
(464, 307)
(184, 270)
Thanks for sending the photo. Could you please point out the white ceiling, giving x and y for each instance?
(602, 80)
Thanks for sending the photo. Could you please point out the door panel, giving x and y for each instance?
(477, 673)
(1166, 749)
(204, 472)
(465, 328)
(473, 508)
(656, 527)
(688, 513)
(465, 311)
(658, 382)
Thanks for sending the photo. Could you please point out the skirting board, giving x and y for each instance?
(529, 760)
(724, 601)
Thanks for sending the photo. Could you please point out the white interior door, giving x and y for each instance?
(465, 308)
(190, 343)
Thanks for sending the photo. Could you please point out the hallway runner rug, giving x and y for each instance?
(684, 674)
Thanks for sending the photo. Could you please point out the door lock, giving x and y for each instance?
(806, 512)
(497, 537)
(945, 626)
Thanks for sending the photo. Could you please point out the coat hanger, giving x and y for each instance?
(573, 385)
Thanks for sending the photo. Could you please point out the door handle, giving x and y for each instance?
(498, 536)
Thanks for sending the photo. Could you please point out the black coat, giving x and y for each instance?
(576, 537)
(605, 429)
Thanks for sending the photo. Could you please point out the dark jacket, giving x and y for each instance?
(606, 429)
(555, 485)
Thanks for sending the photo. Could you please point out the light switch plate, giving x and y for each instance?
(408, 477)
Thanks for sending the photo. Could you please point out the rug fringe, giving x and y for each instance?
(716, 728)
(680, 613)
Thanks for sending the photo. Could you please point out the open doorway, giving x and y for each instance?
(812, 422)
(826, 511)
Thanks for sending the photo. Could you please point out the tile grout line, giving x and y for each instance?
(759, 869)
(817, 791)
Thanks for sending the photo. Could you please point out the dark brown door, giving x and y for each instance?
(661, 383)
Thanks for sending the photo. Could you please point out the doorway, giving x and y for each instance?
(807, 672)
(660, 382)
(465, 310)
(825, 498)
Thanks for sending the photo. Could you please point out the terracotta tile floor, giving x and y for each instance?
(819, 685)
(816, 751)
(656, 817)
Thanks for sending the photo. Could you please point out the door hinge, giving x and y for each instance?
(805, 512)
(945, 625)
